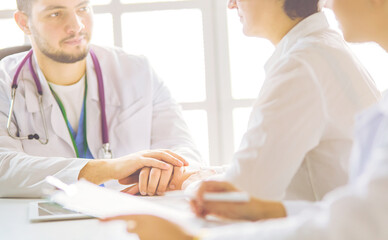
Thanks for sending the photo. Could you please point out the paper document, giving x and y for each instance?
(101, 202)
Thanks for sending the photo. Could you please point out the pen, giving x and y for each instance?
(214, 196)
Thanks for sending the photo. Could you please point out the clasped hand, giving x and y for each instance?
(155, 181)
(158, 165)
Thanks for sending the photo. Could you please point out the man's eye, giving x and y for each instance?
(84, 9)
(56, 14)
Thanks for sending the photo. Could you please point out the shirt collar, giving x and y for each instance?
(307, 26)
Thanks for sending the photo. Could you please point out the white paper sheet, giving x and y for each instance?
(101, 202)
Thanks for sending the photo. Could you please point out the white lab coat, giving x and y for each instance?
(300, 132)
(357, 211)
(140, 113)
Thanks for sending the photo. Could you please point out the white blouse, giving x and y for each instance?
(300, 131)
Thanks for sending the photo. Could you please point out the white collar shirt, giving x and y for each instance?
(300, 131)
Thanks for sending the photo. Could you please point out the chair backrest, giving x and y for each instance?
(12, 50)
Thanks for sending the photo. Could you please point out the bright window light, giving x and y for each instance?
(15, 36)
(100, 2)
(197, 123)
(103, 29)
(8, 5)
(148, 1)
(247, 58)
(173, 42)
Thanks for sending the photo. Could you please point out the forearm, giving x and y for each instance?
(96, 171)
(23, 175)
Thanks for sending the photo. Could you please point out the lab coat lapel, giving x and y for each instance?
(93, 109)
(52, 110)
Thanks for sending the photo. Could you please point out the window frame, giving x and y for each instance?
(219, 103)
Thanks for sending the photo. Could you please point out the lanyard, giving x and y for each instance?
(69, 128)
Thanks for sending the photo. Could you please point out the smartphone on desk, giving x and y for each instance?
(49, 211)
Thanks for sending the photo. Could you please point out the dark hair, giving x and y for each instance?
(25, 6)
(300, 8)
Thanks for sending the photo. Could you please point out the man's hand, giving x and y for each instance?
(253, 210)
(102, 170)
(147, 227)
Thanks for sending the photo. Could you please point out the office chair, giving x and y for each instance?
(12, 50)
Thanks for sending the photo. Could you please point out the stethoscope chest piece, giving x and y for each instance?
(105, 152)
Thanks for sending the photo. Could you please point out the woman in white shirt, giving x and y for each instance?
(356, 211)
(300, 131)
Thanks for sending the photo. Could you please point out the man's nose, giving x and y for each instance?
(74, 24)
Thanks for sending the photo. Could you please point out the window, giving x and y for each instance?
(198, 48)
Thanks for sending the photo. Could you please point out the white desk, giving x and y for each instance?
(14, 224)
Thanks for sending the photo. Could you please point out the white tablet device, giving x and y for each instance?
(49, 211)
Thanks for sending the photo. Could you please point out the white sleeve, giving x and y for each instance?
(296, 207)
(357, 211)
(169, 130)
(22, 175)
(286, 122)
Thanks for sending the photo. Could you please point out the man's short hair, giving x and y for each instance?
(300, 8)
(25, 6)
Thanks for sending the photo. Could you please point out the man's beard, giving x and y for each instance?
(58, 55)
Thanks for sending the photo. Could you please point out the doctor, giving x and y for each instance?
(71, 102)
(356, 211)
(300, 131)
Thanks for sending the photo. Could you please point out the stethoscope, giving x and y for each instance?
(105, 151)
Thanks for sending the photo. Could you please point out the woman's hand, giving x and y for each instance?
(147, 227)
(253, 210)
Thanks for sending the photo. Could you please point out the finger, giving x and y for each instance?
(221, 209)
(185, 163)
(164, 180)
(133, 190)
(197, 209)
(153, 181)
(143, 180)
(176, 179)
(134, 178)
(211, 186)
(214, 186)
(153, 162)
(218, 186)
(165, 157)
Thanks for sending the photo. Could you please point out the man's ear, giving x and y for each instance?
(22, 21)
